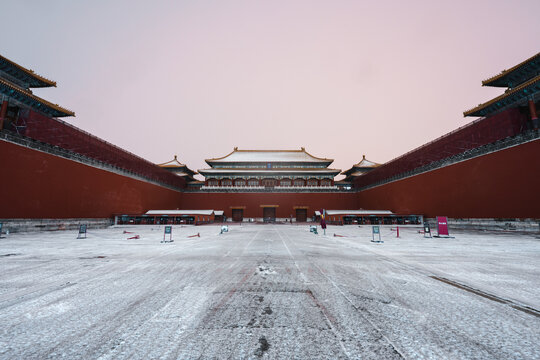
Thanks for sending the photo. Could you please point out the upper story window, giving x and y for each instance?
(285, 182)
(326, 182)
(269, 182)
(226, 182)
(253, 182)
(240, 182)
(299, 182)
(313, 182)
(213, 182)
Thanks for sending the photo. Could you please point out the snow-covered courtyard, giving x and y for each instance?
(271, 292)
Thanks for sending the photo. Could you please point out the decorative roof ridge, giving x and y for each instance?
(30, 72)
(302, 150)
(37, 98)
(502, 96)
(506, 72)
(357, 165)
(364, 159)
(168, 163)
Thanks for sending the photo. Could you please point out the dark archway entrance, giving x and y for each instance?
(269, 214)
(301, 215)
(237, 215)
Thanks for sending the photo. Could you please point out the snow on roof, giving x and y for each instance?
(179, 212)
(218, 212)
(358, 173)
(269, 156)
(366, 163)
(359, 212)
(267, 171)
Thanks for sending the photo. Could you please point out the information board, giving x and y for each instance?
(376, 232)
(82, 231)
(168, 231)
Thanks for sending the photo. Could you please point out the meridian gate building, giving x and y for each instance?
(488, 168)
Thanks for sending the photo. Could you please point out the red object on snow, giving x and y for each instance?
(442, 226)
(127, 232)
(197, 235)
(134, 237)
(336, 235)
(323, 222)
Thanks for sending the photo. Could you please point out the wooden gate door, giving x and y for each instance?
(269, 214)
(238, 215)
(301, 215)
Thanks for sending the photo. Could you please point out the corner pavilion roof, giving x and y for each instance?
(178, 168)
(26, 97)
(363, 164)
(23, 74)
(509, 98)
(516, 75)
(267, 156)
(173, 163)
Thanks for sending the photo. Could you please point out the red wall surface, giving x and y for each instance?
(39, 185)
(504, 184)
(253, 202)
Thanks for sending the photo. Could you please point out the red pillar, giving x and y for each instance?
(534, 116)
(3, 112)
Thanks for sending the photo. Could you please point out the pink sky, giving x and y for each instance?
(341, 78)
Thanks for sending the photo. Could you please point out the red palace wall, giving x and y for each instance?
(253, 202)
(503, 184)
(40, 185)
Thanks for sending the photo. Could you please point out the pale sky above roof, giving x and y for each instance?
(341, 78)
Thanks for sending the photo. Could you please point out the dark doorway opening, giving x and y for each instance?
(269, 214)
(301, 215)
(237, 215)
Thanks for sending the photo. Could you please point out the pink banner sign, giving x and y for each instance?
(442, 226)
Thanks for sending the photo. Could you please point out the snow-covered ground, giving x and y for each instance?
(269, 291)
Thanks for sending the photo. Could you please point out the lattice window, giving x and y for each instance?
(326, 182)
(269, 182)
(285, 182)
(299, 182)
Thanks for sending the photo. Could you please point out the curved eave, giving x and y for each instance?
(33, 101)
(520, 71)
(509, 98)
(209, 172)
(302, 150)
(233, 163)
(24, 74)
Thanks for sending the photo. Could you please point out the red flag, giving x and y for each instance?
(323, 222)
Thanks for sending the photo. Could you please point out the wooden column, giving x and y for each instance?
(532, 110)
(3, 112)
